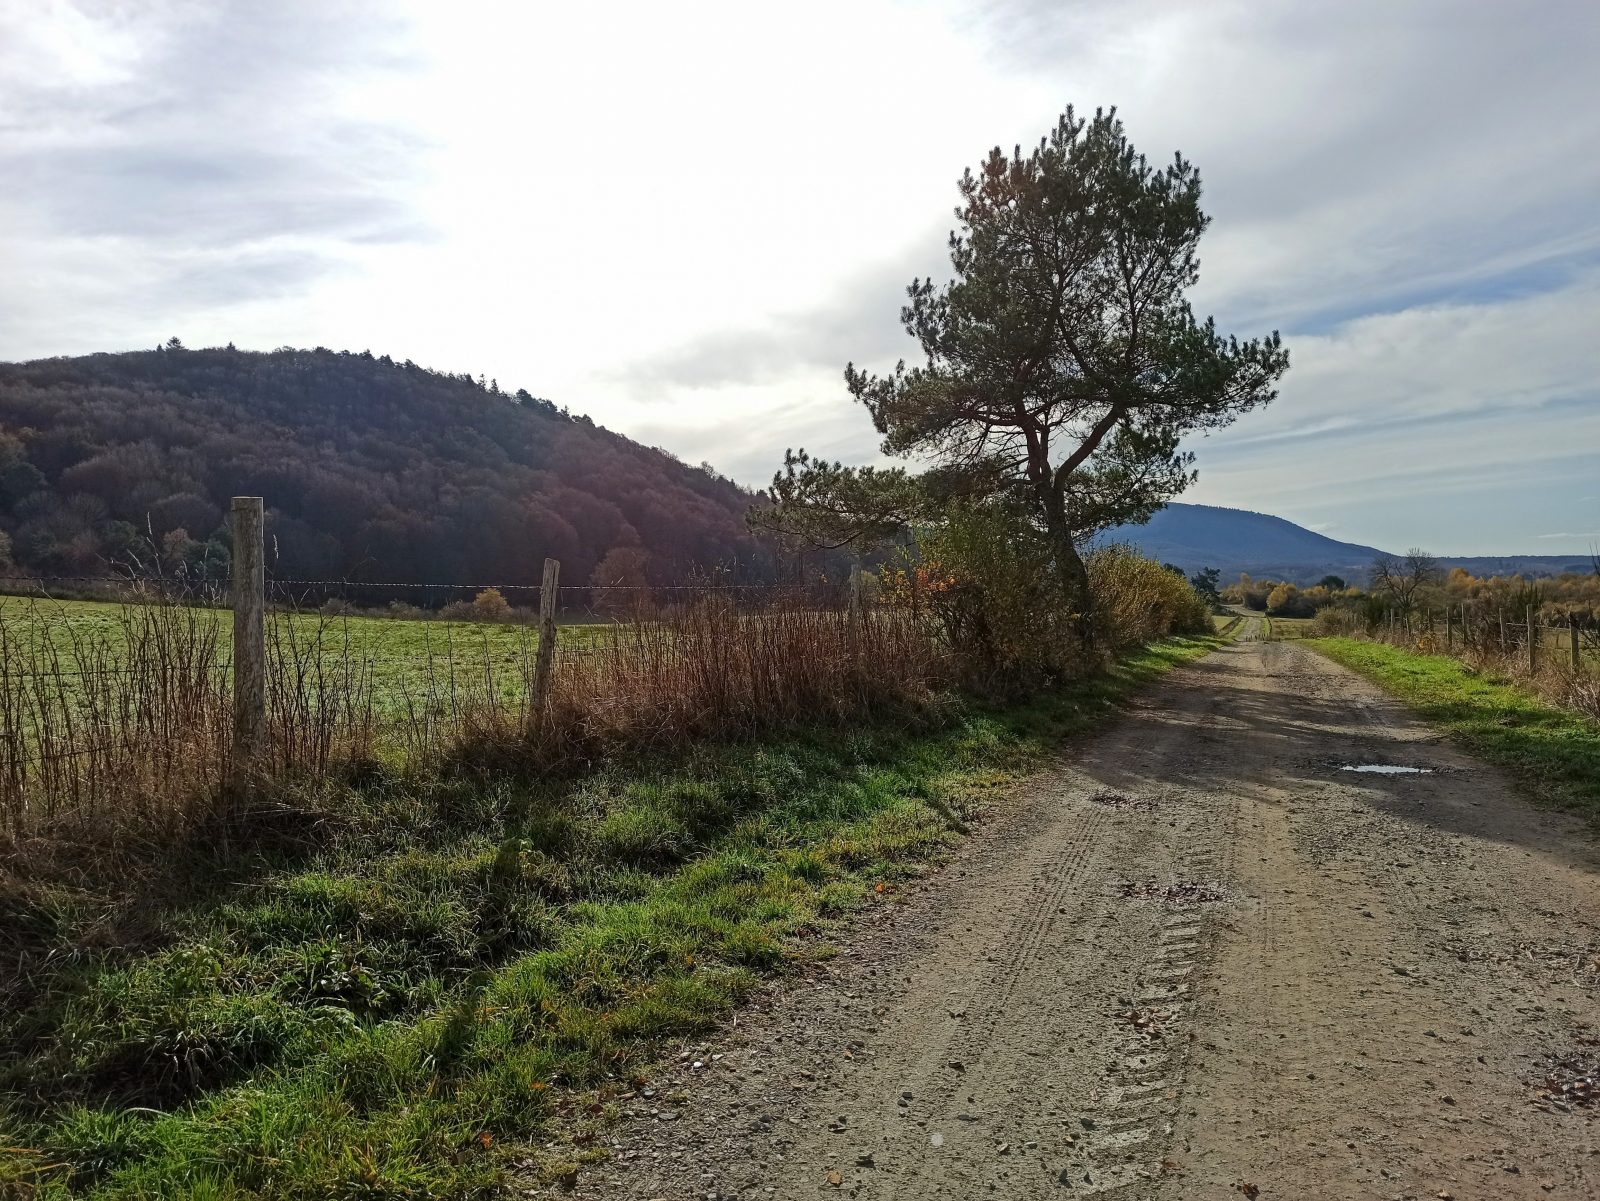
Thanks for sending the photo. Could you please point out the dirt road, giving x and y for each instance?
(1199, 961)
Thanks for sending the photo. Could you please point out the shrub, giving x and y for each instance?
(490, 605)
(1336, 622)
(1285, 600)
(991, 580)
(988, 578)
(1140, 601)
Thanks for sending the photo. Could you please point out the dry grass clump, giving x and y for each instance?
(712, 667)
(118, 727)
(115, 733)
(1336, 621)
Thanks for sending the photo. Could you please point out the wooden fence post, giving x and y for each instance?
(1572, 633)
(1502, 631)
(855, 606)
(1533, 641)
(249, 644)
(1449, 628)
(544, 663)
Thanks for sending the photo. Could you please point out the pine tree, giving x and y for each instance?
(1063, 363)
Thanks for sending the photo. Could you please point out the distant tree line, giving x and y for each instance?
(1414, 582)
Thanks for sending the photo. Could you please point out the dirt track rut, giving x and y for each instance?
(1198, 961)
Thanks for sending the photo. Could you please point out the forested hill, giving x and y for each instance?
(1198, 536)
(371, 470)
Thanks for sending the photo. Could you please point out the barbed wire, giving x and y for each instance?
(157, 582)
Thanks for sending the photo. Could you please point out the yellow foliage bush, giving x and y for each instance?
(1137, 600)
(490, 605)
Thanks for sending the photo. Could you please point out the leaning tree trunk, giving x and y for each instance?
(1073, 577)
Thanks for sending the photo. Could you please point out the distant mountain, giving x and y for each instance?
(372, 470)
(1195, 537)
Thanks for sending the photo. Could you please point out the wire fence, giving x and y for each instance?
(1495, 628)
(171, 691)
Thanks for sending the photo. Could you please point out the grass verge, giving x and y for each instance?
(1555, 752)
(400, 1013)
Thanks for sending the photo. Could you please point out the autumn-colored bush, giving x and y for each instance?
(1138, 600)
(488, 605)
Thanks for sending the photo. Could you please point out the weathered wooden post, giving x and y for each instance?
(1572, 633)
(544, 663)
(855, 608)
(1533, 641)
(249, 644)
(1449, 628)
(1502, 613)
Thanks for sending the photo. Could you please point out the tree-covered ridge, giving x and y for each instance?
(371, 470)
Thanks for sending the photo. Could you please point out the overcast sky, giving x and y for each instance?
(684, 219)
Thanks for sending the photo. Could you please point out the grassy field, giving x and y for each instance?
(1556, 752)
(398, 1003)
(405, 658)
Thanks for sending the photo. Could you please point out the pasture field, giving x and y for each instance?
(403, 661)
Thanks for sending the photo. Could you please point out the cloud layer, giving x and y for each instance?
(685, 221)
(170, 158)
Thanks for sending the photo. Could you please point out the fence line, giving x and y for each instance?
(1482, 628)
(143, 707)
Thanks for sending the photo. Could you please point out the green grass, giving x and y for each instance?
(406, 658)
(406, 1011)
(1553, 751)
